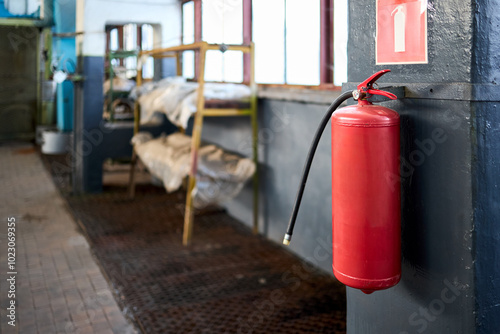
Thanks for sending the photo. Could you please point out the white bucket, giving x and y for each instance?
(40, 129)
(55, 142)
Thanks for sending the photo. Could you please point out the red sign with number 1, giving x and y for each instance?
(401, 32)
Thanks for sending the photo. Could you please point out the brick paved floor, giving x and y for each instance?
(59, 287)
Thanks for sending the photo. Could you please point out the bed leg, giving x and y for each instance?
(255, 229)
(131, 182)
(189, 213)
(195, 146)
(255, 150)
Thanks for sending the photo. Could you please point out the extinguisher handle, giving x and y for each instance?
(381, 92)
(368, 83)
(365, 88)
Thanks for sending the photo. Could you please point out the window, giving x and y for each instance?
(287, 41)
(340, 24)
(269, 41)
(222, 23)
(26, 8)
(130, 43)
(130, 37)
(297, 42)
(113, 39)
(147, 38)
(188, 38)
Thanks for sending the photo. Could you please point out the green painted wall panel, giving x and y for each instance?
(18, 82)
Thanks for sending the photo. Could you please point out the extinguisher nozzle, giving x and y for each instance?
(286, 239)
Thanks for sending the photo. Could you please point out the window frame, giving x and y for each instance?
(326, 67)
(121, 41)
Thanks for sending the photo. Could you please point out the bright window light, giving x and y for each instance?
(232, 70)
(222, 23)
(268, 35)
(302, 42)
(188, 64)
(188, 22)
(287, 41)
(340, 20)
(147, 43)
(130, 36)
(147, 34)
(113, 39)
(188, 38)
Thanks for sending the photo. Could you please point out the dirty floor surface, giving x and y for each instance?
(227, 281)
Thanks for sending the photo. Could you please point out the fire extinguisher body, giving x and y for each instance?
(366, 197)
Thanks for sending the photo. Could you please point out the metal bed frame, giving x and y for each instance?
(118, 54)
(203, 110)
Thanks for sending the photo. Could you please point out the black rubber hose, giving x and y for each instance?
(310, 156)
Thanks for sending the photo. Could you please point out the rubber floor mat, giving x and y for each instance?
(227, 281)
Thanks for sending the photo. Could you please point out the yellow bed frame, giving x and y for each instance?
(203, 110)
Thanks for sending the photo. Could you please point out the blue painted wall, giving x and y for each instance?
(64, 50)
(96, 140)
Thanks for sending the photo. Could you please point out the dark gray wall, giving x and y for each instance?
(438, 231)
(436, 293)
(487, 216)
(285, 133)
(450, 168)
(437, 213)
(450, 42)
(450, 200)
(450, 156)
(486, 126)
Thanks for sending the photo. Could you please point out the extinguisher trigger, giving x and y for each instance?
(365, 89)
(381, 92)
(367, 84)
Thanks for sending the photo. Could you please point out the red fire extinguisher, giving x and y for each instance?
(366, 219)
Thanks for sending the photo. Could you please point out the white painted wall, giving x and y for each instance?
(94, 15)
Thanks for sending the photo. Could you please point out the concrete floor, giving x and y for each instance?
(59, 288)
